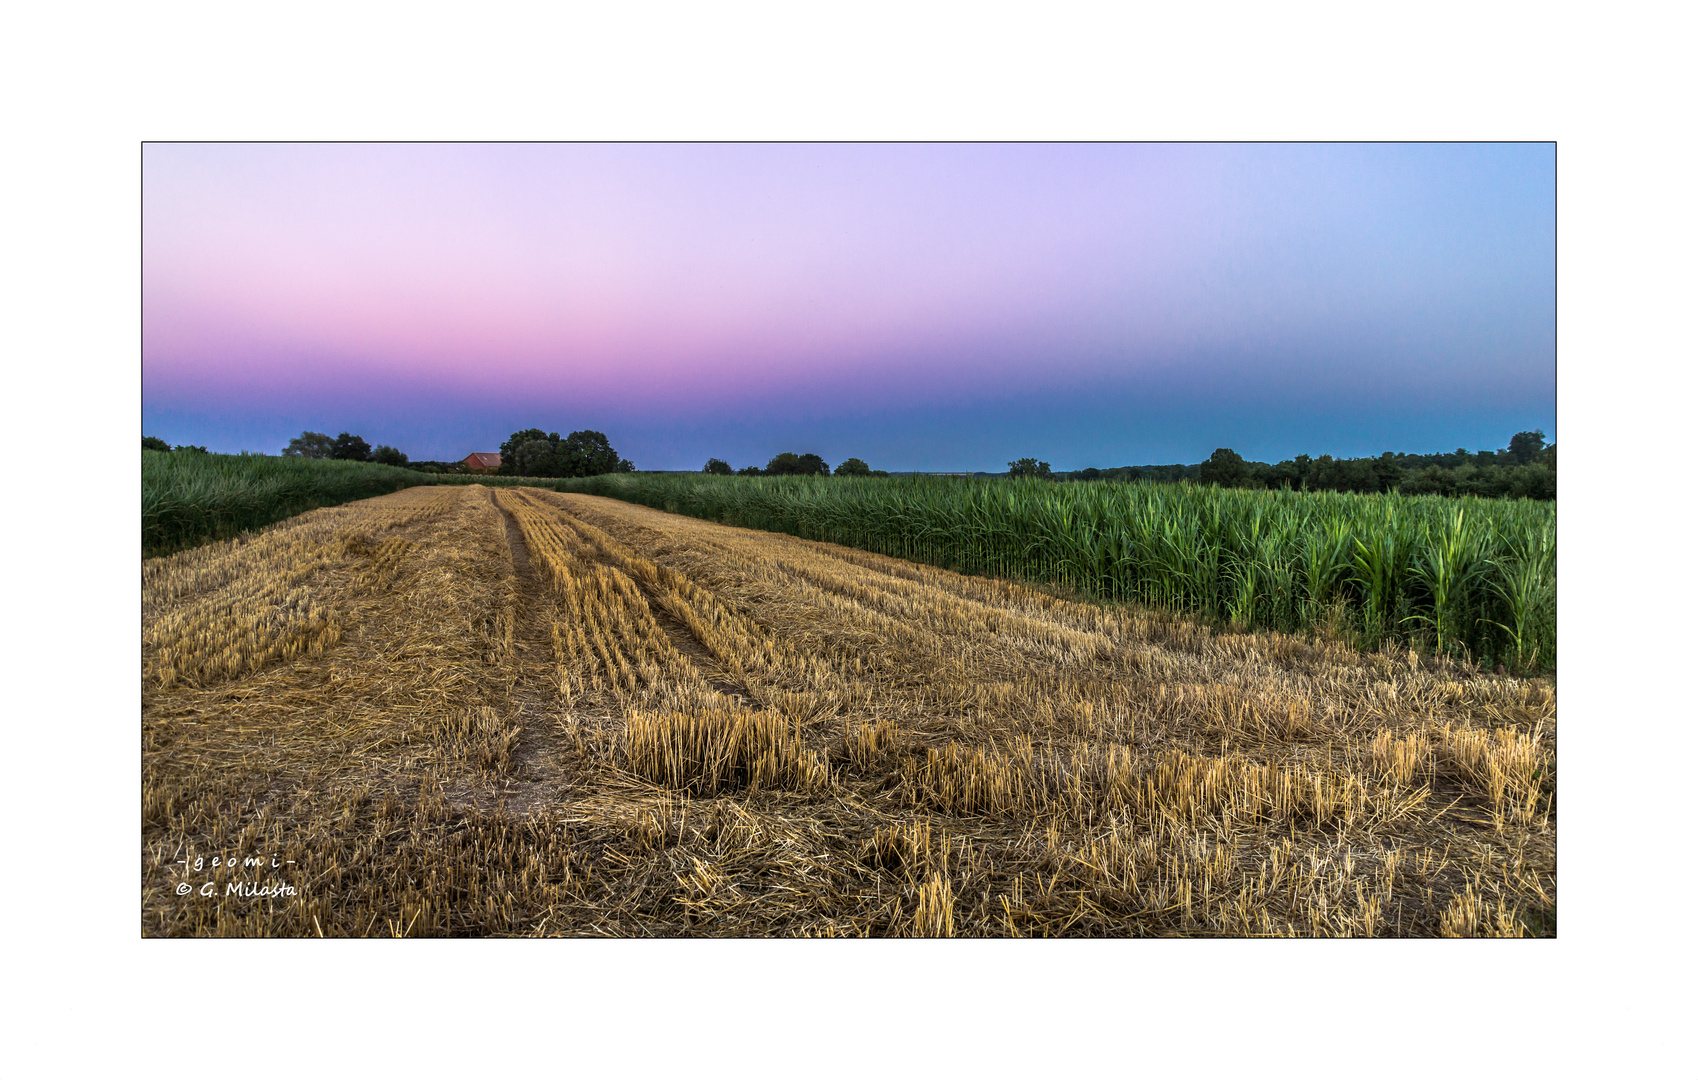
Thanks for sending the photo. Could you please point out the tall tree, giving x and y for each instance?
(1029, 467)
(1224, 467)
(582, 453)
(151, 443)
(588, 453)
(716, 467)
(528, 451)
(788, 464)
(350, 448)
(1525, 445)
(313, 444)
(854, 467)
(388, 455)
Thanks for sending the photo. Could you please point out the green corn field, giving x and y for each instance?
(1473, 578)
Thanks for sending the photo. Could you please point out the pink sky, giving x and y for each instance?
(720, 288)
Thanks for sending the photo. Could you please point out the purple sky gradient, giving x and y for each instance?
(919, 306)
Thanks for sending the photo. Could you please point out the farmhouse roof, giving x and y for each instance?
(487, 461)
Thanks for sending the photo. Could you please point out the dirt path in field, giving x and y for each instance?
(538, 776)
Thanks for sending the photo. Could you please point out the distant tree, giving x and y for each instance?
(1088, 474)
(1029, 467)
(526, 452)
(788, 464)
(151, 443)
(1525, 445)
(588, 453)
(582, 453)
(388, 455)
(191, 449)
(1387, 474)
(313, 444)
(749, 470)
(350, 448)
(716, 467)
(1224, 467)
(854, 467)
(1302, 465)
(1485, 473)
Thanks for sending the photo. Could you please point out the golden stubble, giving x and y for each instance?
(653, 725)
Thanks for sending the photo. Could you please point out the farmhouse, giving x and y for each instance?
(482, 462)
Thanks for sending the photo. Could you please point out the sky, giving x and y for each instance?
(939, 307)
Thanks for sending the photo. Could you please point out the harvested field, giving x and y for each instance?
(488, 712)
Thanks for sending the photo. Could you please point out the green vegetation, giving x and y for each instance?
(792, 464)
(1469, 576)
(189, 498)
(1526, 469)
(344, 447)
(582, 453)
(788, 464)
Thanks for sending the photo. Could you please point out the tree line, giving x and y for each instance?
(151, 443)
(789, 464)
(344, 447)
(1526, 468)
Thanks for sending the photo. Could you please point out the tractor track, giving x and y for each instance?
(538, 774)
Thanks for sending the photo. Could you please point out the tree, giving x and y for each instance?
(151, 443)
(529, 453)
(588, 453)
(191, 449)
(1224, 467)
(313, 444)
(854, 467)
(1302, 466)
(1524, 445)
(749, 470)
(1029, 467)
(388, 455)
(1088, 474)
(350, 448)
(1387, 474)
(582, 453)
(788, 464)
(716, 467)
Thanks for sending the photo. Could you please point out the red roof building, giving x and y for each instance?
(482, 462)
